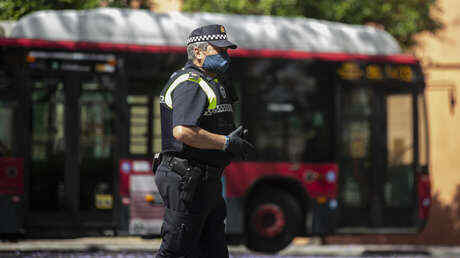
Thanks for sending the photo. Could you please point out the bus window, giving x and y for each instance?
(139, 118)
(6, 128)
(147, 74)
(9, 108)
(48, 119)
(423, 132)
(48, 145)
(356, 134)
(355, 153)
(96, 135)
(400, 179)
(292, 110)
(399, 122)
(97, 139)
(156, 125)
(139, 106)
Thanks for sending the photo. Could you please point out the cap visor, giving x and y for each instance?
(222, 43)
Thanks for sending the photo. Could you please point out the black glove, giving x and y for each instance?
(238, 146)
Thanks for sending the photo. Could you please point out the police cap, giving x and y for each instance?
(213, 34)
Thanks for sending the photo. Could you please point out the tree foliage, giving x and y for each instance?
(15, 9)
(401, 18)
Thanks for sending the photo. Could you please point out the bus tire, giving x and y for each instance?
(273, 220)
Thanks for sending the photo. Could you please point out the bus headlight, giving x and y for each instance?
(426, 202)
(330, 177)
(16, 199)
(333, 204)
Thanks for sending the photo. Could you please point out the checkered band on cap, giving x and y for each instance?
(205, 38)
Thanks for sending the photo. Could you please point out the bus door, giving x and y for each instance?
(72, 147)
(96, 141)
(49, 192)
(355, 160)
(396, 129)
(376, 158)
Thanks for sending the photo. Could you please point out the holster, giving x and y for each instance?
(189, 183)
(191, 176)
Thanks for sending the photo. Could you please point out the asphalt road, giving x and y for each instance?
(105, 254)
(131, 247)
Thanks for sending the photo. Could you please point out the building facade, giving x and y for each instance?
(440, 56)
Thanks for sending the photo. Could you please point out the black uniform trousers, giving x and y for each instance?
(195, 229)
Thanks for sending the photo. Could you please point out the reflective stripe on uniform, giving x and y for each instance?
(180, 79)
(212, 99)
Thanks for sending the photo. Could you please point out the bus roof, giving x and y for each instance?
(141, 27)
(113, 29)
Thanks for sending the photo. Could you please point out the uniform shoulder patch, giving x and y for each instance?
(194, 77)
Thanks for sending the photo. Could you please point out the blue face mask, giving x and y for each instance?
(217, 63)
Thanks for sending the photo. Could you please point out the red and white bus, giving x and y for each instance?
(336, 111)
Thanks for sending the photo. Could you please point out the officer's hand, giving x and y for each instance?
(238, 146)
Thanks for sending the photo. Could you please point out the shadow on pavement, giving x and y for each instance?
(443, 228)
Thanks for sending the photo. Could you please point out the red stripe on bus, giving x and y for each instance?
(241, 176)
(75, 46)
(264, 53)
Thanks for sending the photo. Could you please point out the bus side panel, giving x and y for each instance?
(142, 206)
(11, 195)
(319, 181)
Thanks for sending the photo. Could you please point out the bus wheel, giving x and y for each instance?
(274, 218)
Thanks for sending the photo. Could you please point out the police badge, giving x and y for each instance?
(222, 91)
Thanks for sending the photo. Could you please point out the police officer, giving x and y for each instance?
(198, 140)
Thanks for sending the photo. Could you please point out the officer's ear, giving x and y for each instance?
(198, 53)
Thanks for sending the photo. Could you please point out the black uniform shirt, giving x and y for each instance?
(189, 104)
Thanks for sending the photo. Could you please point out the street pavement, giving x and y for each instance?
(138, 247)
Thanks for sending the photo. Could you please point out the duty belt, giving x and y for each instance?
(179, 166)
